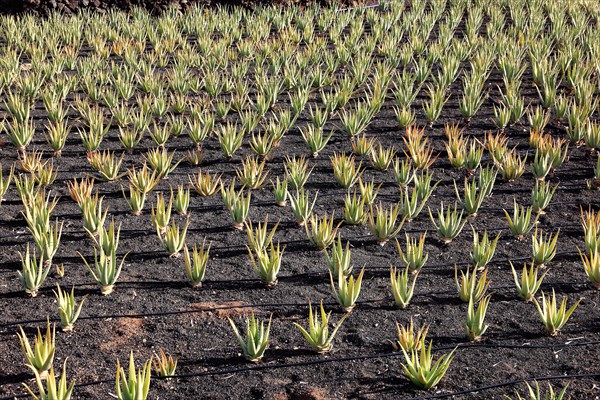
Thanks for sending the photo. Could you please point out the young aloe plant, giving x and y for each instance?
(536, 394)
(354, 209)
(161, 215)
(339, 258)
(529, 283)
(143, 180)
(174, 238)
(402, 289)
(53, 390)
(195, 264)
(302, 206)
(591, 227)
(347, 290)
(259, 237)
(33, 273)
(67, 308)
(93, 217)
(368, 191)
(408, 340)
(403, 172)
(5, 183)
(553, 316)
(106, 271)
(161, 162)
(362, 145)
(486, 180)
(41, 356)
(512, 165)
(230, 139)
(297, 172)
(520, 224)
(136, 199)
(449, 224)
(205, 185)
(256, 340)
(473, 198)
(267, 263)
(322, 231)
(415, 256)
(382, 157)
(107, 240)
(543, 247)
(483, 250)
(164, 366)
(591, 266)
(252, 174)
(541, 166)
(475, 325)
(181, 202)
(345, 171)
(420, 368)
(412, 205)
(470, 286)
(318, 335)
(135, 385)
(280, 191)
(314, 139)
(382, 223)
(239, 208)
(541, 195)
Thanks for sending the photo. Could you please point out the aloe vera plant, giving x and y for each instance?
(470, 286)
(52, 390)
(420, 368)
(338, 259)
(475, 325)
(347, 289)
(408, 340)
(591, 266)
(554, 316)
(536, 394)
(134, 385)
(67, 307)
(382, 223)
(529, 283)
(402, 288)
(164, 366)
(256, 339)
(33, 272)
(302, 206)
(415, 256)
(317, 334)
(41, 356)
(483, 249)
(106, 270)
(195, 264)
(322, 231)
(267, 262)
(449, 223)
(520, 223)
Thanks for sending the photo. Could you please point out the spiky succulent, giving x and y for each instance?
(420, 368)
(256, 339)
(41, 356)
(554, 316)
(449, 223)
(135, 384)
(347, 289)
(67, 307)
(317, 334)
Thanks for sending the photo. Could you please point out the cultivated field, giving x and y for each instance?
(421, 175)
